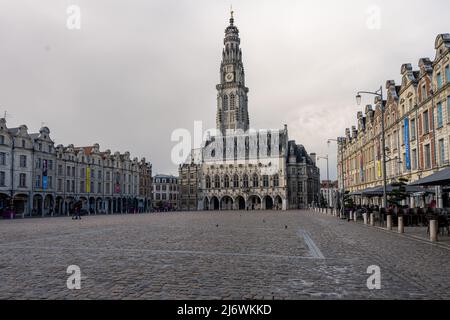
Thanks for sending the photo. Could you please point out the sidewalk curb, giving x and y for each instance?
(404, 235)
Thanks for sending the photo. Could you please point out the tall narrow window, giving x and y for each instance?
(439, 80)
(427, 156)
(414, 159)
(225, 103)
(276, 181)
(245, 181)
(448, 109)
(447, 73)
(441, 151)
(22, 180)
(413, 129)
(424, 92)
(440, 121)
(426, 124)
(265, 181)
(235, 181)
(208, 182)
(255, 181)
(227, 181)
(217, 182)
(2, 178)
(232, 101)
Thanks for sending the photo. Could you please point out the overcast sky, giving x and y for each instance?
(137, 70)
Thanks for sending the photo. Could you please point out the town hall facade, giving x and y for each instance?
(240, 168)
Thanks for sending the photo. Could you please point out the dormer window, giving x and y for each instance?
(424, 92)
(439, 80)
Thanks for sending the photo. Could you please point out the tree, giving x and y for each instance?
(398, 193)
(348, 200)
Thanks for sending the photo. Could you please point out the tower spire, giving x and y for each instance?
(232, 110)
(231, 15)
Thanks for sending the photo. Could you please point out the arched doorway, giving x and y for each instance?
(91, 206)
(206, 203)
(226, 203)
(278, 203)
(214, 205)
(99, 206)
(84, 203)
(37, 205)
(240, 203)
(268, 201)
(69, 205)
(254, 202)
(59, 206)
(20, 204)
(4, 201)
(48, 205)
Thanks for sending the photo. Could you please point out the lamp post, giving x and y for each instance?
(328, 181)
(341, 141)
(379, 94)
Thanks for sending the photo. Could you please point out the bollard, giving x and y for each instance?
(355, 217)
(389, 222)
(401, 227)
(433, 230)
(372, 220)
(365, 217)
(350, 215)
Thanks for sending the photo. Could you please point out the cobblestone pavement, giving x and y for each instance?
(216, 255)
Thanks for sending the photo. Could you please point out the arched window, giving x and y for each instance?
(236, 181)
(208, 182)
(225, 103)
(226, 181)
(255, 180)
(216, 182)
(245, 181)
(232, 102)
(265, 181)
(276, 181)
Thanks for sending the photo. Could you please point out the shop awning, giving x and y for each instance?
(378, 191)
(441, 178)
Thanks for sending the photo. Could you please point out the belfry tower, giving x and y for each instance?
(232, 101)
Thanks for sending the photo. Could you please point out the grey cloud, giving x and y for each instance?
(137, 70)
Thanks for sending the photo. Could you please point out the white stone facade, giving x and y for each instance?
(41, 179)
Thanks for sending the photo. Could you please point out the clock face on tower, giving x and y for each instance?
(229, 77)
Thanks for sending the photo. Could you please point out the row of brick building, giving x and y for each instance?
(39, 178)
(417, 127)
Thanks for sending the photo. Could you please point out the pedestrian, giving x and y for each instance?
(77, 214)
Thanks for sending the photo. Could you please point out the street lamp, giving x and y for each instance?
(341, 141)
(328, 181)
(379, 94)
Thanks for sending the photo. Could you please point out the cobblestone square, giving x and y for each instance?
(216, 255)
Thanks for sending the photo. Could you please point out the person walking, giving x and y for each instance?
(77, 213)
